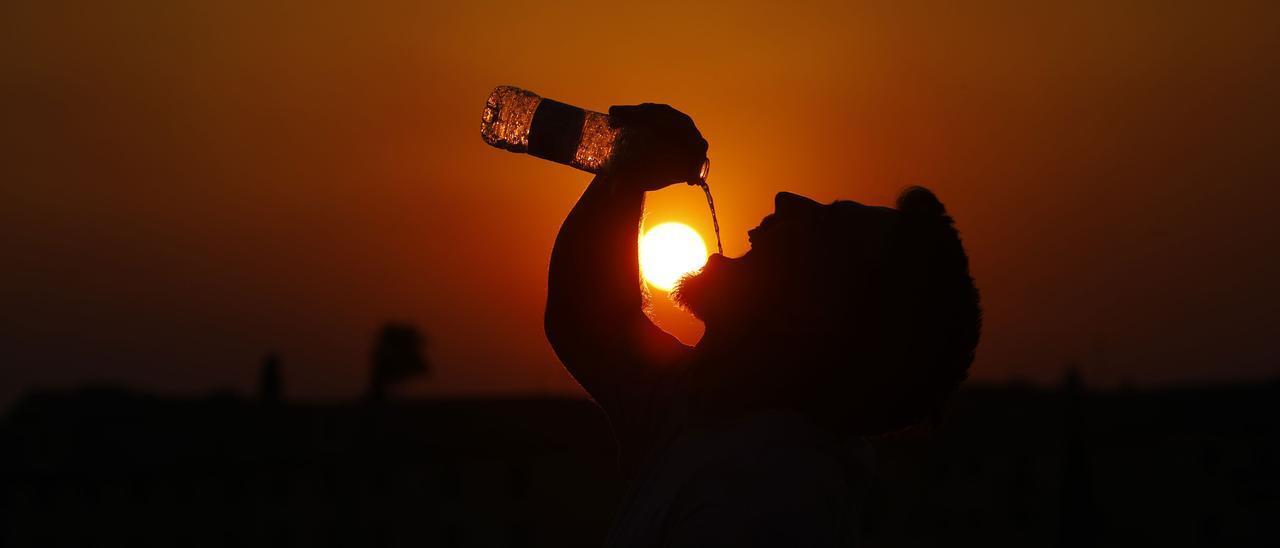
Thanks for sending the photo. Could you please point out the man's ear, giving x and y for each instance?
(919, 202)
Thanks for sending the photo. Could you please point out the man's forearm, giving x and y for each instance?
(594, 278)
(595, 318)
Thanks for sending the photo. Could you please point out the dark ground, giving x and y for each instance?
(1010, 466)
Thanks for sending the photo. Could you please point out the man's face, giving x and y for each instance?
(732, 287)
(802, 255)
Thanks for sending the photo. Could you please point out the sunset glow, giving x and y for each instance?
(242, 176)
(669, 251)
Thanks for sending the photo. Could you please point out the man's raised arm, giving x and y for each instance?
(595, 319)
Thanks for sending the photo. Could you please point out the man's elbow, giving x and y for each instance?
(563, 328)
(576, 334)
(554, 325)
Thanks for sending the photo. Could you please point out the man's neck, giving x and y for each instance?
(738, 348)
(730, 373)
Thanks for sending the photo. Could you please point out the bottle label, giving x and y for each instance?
(556, 131)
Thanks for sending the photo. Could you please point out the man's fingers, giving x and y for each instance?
(663, 142)
(650, 114)
(623, 111)
(621, 115)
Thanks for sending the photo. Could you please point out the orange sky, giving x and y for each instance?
(186, 187)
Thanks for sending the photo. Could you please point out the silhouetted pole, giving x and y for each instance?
(1079, 515)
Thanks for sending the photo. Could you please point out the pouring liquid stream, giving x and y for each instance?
(715, 223)
(702, 182)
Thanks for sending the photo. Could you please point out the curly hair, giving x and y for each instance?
(913, 328)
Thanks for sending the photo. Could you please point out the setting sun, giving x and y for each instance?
(669, 251)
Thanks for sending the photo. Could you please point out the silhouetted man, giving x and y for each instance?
(842, 320)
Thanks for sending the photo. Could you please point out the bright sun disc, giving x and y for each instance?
(669, 251)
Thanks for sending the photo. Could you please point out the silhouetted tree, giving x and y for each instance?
(397, 355)
(269, 381)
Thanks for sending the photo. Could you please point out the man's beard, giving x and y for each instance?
(692, 293)
(710, 293)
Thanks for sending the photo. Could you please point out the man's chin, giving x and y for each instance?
(693, 293)
(685, 294)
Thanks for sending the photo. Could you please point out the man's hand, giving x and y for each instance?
(660, 147)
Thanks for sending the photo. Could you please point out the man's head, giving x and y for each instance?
(865, 318)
